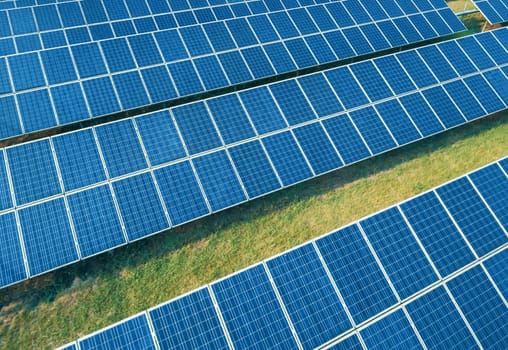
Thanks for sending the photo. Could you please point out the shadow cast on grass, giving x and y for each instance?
(47, 287)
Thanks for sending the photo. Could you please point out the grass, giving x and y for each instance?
(74, 301)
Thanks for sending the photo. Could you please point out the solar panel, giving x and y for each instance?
(251, 143)
(104, 57)
(374, 282)
(495, 11)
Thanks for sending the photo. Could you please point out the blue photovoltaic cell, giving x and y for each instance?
(373, 130)
(310, 299)
(160, 137)
(28, 43)
(443, 106)
(438, 234)
(196, 41)
(5, 85)
(145, 50)
(476, 53)
(95, 220)
(117, 54)
(130, 89)
(5, 192)
(496, 50)
(391, 332)
(320, 94)
(397, 120)
(129, 335)
(504, 164)
(69, 102)
(437, 23)
(499, 82)
(10, 125)
(88, 60)
(78, 159)
(190, 322)
(392, 33)
(292, 102)
(346, 139)
(322, 18)
(185, 77)
(12, 267)
(121, 148)
(493, 187)
(33, 171)
(404, 261)
(283, 24)
(36, 110)
(320, 48)
(482, 90)
(423, 26)
(47, 236)
(340, 14)
(263, 111)
(101, 96)
(466, 102)
(300, 52)
(263, 28)
(140, 206)
(243, 35)
(375, 36)
(422, 114)
(219, 36)
(457, 57)
(358, 41)
(371, 81)
(235, 67)
(416, 69)
(22, 21)
(211, 73)
(496, 266)
(230, 118)
(303, 21)
(251, 311)
(356, 273)
(472, 216)
(482, 306)
(339, 44)
(437, 63)
(439, 323)
(196, 126)
(394, 74)
(318, 149)
(287, 158)
(254, 169)
(351, 343)
(58, 65)
(407, 29)
(258, 62)
(346, 87)
(219, 180)
(71, 14)
(181, 193)
(158, 84)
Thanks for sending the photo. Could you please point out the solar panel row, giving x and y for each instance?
(57, 20)
(427, 273)
(54, 87)
(496, 11)
(152, 4)
(79, 193)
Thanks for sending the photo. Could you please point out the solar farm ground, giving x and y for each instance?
(61, 306)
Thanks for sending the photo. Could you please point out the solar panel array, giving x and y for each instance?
(74, 195)
(71, 61)
(429, 272)
(495, 11)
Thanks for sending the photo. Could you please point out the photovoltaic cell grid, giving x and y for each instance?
(104, 74)
(254, 142)
(378, 282)
(495, 11)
